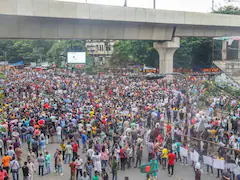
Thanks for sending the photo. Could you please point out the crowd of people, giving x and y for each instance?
(104, 123)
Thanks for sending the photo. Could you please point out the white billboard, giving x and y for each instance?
(76, 57)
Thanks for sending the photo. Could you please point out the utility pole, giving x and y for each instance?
(154, 4)
(212, 5)
(125, 3)
(5, 60)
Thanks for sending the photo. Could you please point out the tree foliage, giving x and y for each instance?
(140, 52)
(228, 10)
(38, 50)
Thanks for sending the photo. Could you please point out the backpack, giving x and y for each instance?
(105, 176)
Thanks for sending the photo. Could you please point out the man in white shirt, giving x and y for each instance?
(90, 152)
(1, 147)
(89, 129)
(59, 133)
(80, 126)
(79, 163)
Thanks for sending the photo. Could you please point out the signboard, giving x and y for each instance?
(33, 65)
(76, 57)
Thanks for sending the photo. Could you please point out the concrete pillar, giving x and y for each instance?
(224, 50)
(239, 50)
(166, 52)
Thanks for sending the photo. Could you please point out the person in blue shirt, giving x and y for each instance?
(29, 139)
(84, 141)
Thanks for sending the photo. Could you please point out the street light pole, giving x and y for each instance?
(125, 3)
(212, 5)
(154, 4)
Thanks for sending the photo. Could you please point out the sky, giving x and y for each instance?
(181, 5)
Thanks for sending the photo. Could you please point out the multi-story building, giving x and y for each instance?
(101, 50)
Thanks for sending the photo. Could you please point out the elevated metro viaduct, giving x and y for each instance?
(51, 19)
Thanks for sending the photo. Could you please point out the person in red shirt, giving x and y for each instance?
(171, 162)
(3, 174)
(168, 128)
(75, 150)
(73, 166)
(122, 158)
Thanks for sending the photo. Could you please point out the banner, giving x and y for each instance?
(124, 113)
(208, 160)
(183, 152)
(218, 164)
(194, 156)
(230, 166)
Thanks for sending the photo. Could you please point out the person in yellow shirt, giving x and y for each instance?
(91, 113)
(63, 148)
(219, 171)
(94, 130)
(164, 157)
(212, 135)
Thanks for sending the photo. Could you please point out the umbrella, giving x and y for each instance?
(36, 127)
(15, 134)
(14, 121)
(41, 122)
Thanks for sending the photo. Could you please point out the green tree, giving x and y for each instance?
(139, 52)
(228, 10)
(58, 52)
(38, 50)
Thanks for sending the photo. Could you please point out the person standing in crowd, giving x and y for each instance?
(35, 146)
(122, 154)
(75, 150)
(84, 142)
(59, 133)
(95, 177)
(73, 166)
(85, 176)
(68, 153)
(6, 162)
(47, 161)
(150, 149)
(1, 146)
(31, 170)
(14, 166)
(3, 174)
(197, 172)
(41, 162)
(79, 167)
(25, 171)
(154, 167)
(60, 163)
(171, 162)
(114, 167)
(104, 156)
(18, 153)
(164, 157)
(63, 149)
(138, 156)
(104, 175)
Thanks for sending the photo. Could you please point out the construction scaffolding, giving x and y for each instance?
(229, 62)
